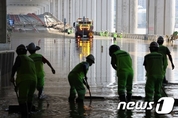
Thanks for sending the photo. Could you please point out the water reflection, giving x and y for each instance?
(153, 114)
(78, 110)
(64, 54)
(84, 48)
(125, 114)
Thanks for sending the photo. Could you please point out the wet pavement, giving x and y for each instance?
(64, 53)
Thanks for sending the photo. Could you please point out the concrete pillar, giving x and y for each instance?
(44, 9)
(80, 8)
(126, 16)
(150, 11)
(51, 7)
(56, 8)
(70, 13)
(169, 17)
(77, 9)
(48, 7)
(133, 16)
(104, 13)
(161, 17)
(66, 10)
(41, 10)
(84, 7)
(73, 11)
(88, 8)
(110, 18)
(3, 21)
(93, 14)
(98, 15)
(119, 14)
(60, 10)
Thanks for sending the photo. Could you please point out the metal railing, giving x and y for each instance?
(134, 36)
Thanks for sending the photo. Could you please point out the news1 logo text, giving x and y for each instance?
(163, 106)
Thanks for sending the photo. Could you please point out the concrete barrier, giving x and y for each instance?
(6, 63)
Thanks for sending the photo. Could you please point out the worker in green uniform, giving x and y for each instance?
(154, 66)
(115, 36)
(77, 79)
(26, 79)
(165, 52)
(39, 61)
(122, 63)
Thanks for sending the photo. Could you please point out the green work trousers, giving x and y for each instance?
(125, 81)
(76, 86)
(40, 82)
(26, 91)
(153, 88)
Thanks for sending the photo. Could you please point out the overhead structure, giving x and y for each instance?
(28, 6)
(106, 14)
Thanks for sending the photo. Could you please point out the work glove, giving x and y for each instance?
(53, 71)
(173, 66)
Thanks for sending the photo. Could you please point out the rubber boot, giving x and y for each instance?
(31, 107)
(40, 90)
(129, 97)
(122, 98)
(24, 110)
(81, 109)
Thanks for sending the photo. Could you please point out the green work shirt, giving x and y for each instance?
(26, 71)
(115, 35)
(37, 58)
(175, 33)
(79, 70)
(153, 63)
(122, 60)
(164, 51)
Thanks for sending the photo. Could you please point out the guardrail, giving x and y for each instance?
(6, 63)
(134, 36)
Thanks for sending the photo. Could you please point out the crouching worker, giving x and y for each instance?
(77, 79)
(122, 63)
(154, 66)
(25, 80)
(39, 61)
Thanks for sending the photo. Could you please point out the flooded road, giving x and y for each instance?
(64, 53)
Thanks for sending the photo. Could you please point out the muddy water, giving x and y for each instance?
(64, 54)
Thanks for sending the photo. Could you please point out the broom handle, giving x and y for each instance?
(15, 88)
(89, 92)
